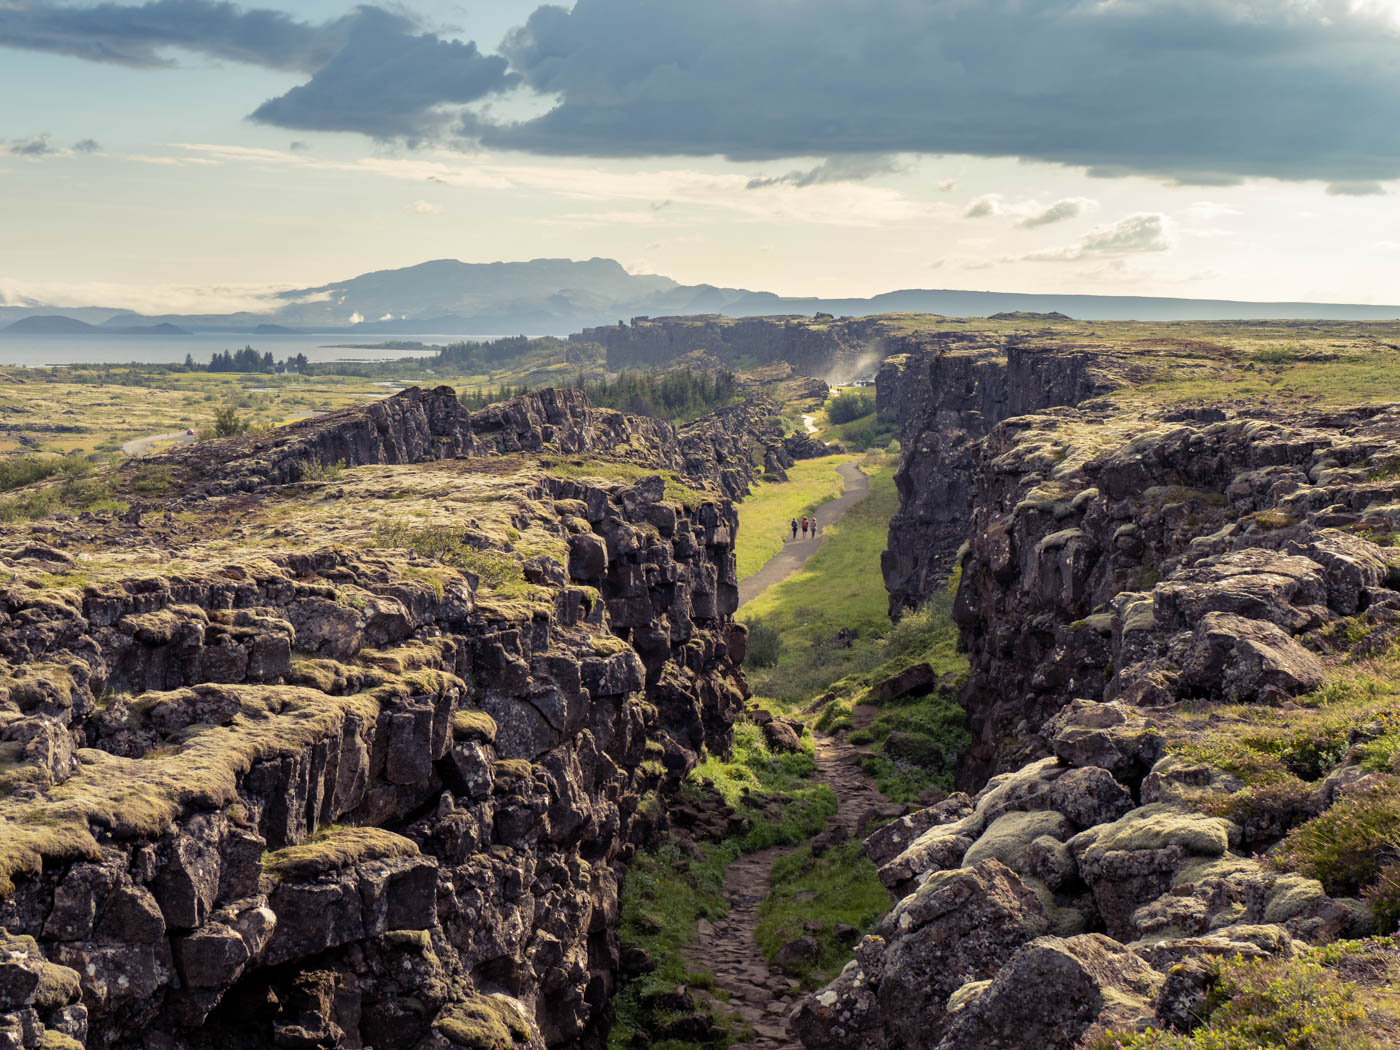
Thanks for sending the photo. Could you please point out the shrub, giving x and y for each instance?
(227, 421)
(850, 405)
(323, 471)
(1345, 847)
(493, 568)
(1266, 1005)
(765, 644)
(1384, 898)
(18, 471)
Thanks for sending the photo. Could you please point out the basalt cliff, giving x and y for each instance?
(341, 736)
(1181, 607)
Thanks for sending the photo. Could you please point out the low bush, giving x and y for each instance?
(1383, 896)
(493, 568)
(765, 644)
(850, 405)
(18, 471)
(1296, 1004)
(1345, 847)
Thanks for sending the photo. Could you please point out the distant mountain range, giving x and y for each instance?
(559, 296)
(59, 324)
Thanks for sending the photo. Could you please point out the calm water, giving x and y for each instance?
(39, 350)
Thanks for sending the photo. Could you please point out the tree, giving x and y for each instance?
(227, 421)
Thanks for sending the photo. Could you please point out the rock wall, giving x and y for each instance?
(1129, 581)
(947, 398)
(342, 797)
(727, 449)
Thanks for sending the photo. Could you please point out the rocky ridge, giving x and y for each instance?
(349, 745)
(1171, 613)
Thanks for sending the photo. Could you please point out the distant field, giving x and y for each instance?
(765, 515)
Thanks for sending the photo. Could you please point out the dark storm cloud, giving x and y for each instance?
(1203, 91)
(1199, 91)
(140, 35)
(373, 71)
(386, 81)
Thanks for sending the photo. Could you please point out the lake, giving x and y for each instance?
(37, 351)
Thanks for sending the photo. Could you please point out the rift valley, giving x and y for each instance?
(430, 721)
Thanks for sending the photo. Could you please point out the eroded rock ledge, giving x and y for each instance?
(1134, 586)
(270, 781)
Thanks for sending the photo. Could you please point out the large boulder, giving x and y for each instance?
(1049, 993)
(1249, 661)
(958, 926)
(1132, 861)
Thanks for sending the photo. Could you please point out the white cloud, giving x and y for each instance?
(1136, 234)
(357, 318)
(146, 299)
(1209, 211)
(1028, 213)
(830, 203)
(421, 207)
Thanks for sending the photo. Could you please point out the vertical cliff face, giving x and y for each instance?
(273, 778)
(1181, 627)
(947, 399)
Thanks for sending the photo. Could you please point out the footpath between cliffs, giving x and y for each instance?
(759, 994)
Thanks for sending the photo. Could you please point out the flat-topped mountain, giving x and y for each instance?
(559, 296)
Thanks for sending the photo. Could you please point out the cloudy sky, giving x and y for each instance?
(185, 154)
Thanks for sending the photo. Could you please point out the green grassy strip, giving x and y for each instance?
(766, 512)
(814, 896)
(670, 887)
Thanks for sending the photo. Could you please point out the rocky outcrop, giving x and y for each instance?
(267, 795)
(1133, 585)
(1170, 561)
(947, 398)
(727, 450)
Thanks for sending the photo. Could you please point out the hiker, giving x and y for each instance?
(794, 528)
(804, 528)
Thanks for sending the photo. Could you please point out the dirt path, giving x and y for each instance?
(140, 446)
(795, 553)
(763, 997)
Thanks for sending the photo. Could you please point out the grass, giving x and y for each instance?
(916, 741)
(334, 848)
(670, 887)
(840, 586)
(608, 470)
(495, 569)
(816, 896)
(766, 512)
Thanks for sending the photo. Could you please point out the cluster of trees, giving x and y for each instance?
(679, 394)
(249, 360)
(475, 399)
(676, 395)
(849, 405)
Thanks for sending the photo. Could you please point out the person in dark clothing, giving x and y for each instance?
(794, 528)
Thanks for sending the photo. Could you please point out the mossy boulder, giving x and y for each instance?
(484, 1022)
(1009, 837)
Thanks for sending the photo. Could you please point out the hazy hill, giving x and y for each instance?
(48, 324)
(559, 296)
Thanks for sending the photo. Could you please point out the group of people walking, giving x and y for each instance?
(807, 523)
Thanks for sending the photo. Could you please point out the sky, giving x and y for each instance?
(183, 155)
